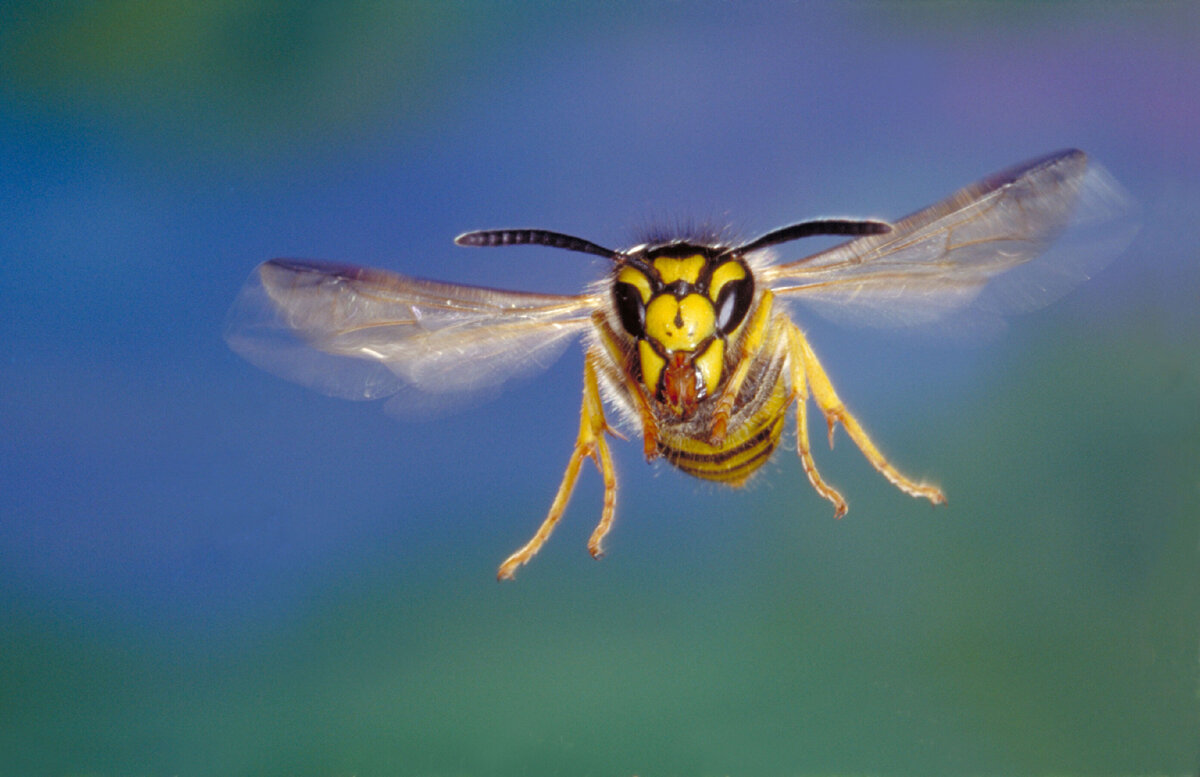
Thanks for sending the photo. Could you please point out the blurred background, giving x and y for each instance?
(207, 570)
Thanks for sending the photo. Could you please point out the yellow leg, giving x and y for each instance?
(796, 364)
(756, 333)
(609, 473)
(632, 387)
(835, 412)
(589, 444)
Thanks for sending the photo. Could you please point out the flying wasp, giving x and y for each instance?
(686, 338)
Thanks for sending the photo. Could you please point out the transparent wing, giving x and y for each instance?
(940, 260)
(360, 333)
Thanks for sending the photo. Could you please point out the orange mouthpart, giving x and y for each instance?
(681, 384)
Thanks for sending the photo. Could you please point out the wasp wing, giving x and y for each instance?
(938, 260)
(361, 333)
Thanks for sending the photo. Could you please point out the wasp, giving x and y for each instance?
(688, 339)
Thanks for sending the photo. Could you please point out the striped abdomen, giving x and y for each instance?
(747, 446)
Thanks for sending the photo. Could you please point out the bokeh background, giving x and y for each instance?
(207, 570)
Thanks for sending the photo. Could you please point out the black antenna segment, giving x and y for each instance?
(815, 227)
(539, 237)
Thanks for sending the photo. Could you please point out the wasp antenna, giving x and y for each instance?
(815, 227)
(540, 237)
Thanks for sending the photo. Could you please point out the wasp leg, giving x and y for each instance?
(796, 368)
(836, 412)
(603, 460)
(751, 343)
(649, 425)
(589, 444)
(632, 387)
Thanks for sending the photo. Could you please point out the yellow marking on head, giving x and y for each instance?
(637, 279)
(711, 363)
(685, 269)
(652, 365)
(680, 325)
(730, 271)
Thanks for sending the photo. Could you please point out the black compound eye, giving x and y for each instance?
(732, 303)
(630, 308)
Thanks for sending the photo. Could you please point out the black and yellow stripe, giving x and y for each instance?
(741, 454)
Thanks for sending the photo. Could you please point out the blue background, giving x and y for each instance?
(207, 570)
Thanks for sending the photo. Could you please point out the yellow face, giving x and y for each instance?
(681, 303)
